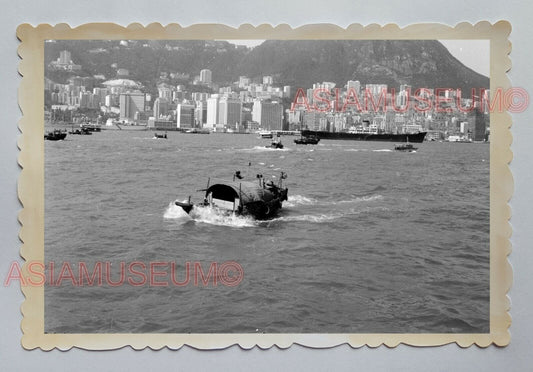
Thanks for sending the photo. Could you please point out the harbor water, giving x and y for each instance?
(370, 240)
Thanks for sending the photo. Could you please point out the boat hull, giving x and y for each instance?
(384, 137)
(307, 141)
(242, 198)
(55, 136)
(125, 127)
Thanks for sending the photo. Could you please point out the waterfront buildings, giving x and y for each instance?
(212, 111)
(269, 114)
(131, 105)
(229, 113)
(185, 116)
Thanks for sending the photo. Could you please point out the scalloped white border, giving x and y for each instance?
(31, 181)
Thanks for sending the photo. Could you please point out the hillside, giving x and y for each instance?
(299, 63)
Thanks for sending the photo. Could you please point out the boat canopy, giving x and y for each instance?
(247, 192)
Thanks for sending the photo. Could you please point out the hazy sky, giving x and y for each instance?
(472, 53)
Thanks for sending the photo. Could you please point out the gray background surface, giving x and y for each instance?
(516, 357)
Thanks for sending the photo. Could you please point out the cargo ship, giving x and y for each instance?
(385, 137)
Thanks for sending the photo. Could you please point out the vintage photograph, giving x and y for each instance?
(343, 186)
(261, 187)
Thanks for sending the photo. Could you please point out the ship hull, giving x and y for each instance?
(383, 137)
(125, 127)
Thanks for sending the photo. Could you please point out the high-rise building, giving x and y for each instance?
(130, 104)
(267, 80)
(165, 92)
(212, 111)
(205, 76)
(199, 96)
(478, 122)
(244, 81)
(160, 107)
(185, 115)
(269, 115)
(229, 112)
(64, 57)
(376, 89)
(287, 91)
(200, 114)
(355, 85)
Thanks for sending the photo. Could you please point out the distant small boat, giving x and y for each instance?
(266, 134)
(55, 135)
(82, 131)
(117, 125)
(257, 199)
(92, 127)
(275, 144)
(405, 147)
(197, 131)
(164, 136)
(307, 140)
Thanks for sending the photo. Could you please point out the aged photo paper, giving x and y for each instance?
(214, 186)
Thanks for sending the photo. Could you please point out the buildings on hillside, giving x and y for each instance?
(251, 104)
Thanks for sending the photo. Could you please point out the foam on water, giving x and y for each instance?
(208, 215)
(382, 150)
(175, 212)
(263, 149)
(214, 216)
(295, 200)
(360, 199)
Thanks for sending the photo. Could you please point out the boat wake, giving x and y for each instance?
(263, 149)
(295, 200)
(349, 207)
(173, 212)
(326, 217)
(207, 215)
(382, 150)
(366, 198)
(213, 216)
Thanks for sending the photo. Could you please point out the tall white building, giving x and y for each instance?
(165, 92)
(355, 85)
(185, 115)
(244, 81)
(160, 107)
(229, 112)
(212, 111)
(65, 57)
(287, 91)
(267, 80)
(269, 115)
(131, 104)
(205, 76)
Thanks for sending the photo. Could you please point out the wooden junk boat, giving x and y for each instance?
(257, 199)
(405, 147)
(307, 140)
(275, 144)
(55, 135)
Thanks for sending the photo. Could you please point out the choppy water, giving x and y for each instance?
(370, 240)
